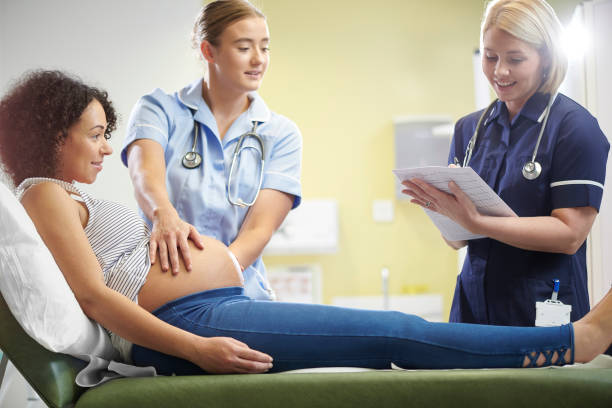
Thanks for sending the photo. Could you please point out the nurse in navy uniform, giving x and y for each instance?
(544, 155)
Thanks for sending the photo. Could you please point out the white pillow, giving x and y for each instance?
(37, 293)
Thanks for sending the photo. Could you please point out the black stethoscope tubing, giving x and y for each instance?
(532, 169)
(192, 159)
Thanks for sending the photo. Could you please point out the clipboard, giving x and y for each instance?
(484, 198)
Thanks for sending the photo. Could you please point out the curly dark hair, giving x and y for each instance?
(35, 116)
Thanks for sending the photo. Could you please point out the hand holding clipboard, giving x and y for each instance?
(487, 202)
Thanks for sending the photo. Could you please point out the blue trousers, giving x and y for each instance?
(304, 335)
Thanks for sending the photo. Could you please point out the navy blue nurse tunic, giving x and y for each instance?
(499, 284)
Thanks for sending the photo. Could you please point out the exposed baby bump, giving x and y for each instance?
(215, 260)
(212, 267)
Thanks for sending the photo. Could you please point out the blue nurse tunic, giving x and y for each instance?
(499, 284)
(200, 195)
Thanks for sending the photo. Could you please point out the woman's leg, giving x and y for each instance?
(302, 336)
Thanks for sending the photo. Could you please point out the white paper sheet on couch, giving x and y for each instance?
(484, 198)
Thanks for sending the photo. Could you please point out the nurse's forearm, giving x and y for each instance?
(170, 233)
(249, 245)
(262, 220)
(562, 232)
(148, 172)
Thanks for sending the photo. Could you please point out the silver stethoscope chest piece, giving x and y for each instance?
(532, 170)
(193, 159)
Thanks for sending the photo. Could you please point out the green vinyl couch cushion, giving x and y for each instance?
(580, 387)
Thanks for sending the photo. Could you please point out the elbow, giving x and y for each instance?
(91, 304)
(88, 306)
(574, 226)
(571, 250)
(573, 245)
(457, 245)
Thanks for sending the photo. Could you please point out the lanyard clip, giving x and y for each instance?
(552, 312)
(555, 290)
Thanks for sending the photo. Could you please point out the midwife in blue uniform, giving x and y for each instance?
(212, 158)
(555, 194)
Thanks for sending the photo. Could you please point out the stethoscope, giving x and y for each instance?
(192, 159)
(532, 169)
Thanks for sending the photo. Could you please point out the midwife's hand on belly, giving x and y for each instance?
(213, 268)
(224, 355)
(170, 235)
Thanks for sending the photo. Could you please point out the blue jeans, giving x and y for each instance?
(304, 335)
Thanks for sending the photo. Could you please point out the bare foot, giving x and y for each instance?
(589, 341)
(593, 333)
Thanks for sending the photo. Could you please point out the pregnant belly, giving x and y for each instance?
(213, 268)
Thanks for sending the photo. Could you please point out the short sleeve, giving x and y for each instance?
(284, 164)
(148, 120)
(579, 162)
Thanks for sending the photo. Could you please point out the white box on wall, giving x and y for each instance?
(421, 141)
(310, 229)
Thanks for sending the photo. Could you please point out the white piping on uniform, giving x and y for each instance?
(276, 173)
(568, 182)
(153, 127)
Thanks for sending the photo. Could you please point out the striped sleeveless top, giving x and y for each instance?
(119, 239)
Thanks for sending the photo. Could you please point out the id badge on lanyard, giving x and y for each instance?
(552, 312)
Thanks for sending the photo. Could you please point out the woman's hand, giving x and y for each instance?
(169, 235)
(224, 355)
(457, 205)
(563, 231)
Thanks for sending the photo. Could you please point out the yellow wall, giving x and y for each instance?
(341, 69)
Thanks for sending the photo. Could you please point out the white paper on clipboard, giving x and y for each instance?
(484, 198)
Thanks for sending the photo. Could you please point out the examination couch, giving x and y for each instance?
(52, 377)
